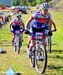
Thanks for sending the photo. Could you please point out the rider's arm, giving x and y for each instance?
(51, 22)
(27, 24)
(11, 23)
(10, 26)
(23, 26)
(34, 15)
(22, 23)
(54, 25)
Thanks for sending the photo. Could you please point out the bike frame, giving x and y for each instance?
(17, 41)
(39, 44)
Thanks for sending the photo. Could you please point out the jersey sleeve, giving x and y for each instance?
(35, 15)
(49, 16)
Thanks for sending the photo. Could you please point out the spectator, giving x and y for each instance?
(1, 21)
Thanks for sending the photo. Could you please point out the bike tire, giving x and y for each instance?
(15, 48)
(44, 64)
(49, 44)
(19, 48)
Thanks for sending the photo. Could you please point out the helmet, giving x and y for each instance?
(18, 15)
(44, 6)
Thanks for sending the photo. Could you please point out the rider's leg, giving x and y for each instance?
(21, 39)
(29, 40)
(31, 45)
(43, 40)
(13, 34)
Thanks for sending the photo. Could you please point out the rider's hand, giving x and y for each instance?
(27, 32)
(50, 33)
(55, 29)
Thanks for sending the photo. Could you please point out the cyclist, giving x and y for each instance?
(39, 20)
(1, 21)
(17, 24)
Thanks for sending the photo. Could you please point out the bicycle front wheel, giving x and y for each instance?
(17, 49)
(41, 60)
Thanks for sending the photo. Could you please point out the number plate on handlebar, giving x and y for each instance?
(17, 32)
(39, 35)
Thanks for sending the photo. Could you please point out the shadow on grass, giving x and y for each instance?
(56, 56)
(60, 51)
(57, 44)
(59, 68)
(18, 74)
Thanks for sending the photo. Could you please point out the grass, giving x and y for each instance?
(58, 4)
(20, 62)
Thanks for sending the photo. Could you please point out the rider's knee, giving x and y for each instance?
(33, 42)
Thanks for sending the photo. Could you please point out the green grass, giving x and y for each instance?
(20, 62)
(58, 4)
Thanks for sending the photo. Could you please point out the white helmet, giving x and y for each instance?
(44, 6)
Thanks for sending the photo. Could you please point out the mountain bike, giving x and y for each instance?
(38, 57)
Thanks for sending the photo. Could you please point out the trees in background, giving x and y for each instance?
(12, 3)
(17, 2)
(1, 4)
(27, 2)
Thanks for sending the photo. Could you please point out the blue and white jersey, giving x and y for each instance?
(40, 20)
(16, 25)
(17, 22)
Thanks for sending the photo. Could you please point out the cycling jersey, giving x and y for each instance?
(17, 22)
(38, 23)
(40, 20)
(16, 25)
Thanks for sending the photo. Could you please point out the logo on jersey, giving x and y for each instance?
(42, 20)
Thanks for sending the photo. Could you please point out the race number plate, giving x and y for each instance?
(17, 32)
(39, 35)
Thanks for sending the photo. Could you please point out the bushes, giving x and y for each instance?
(12, 3)
(27, 2)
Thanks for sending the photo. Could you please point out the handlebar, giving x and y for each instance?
(27, 31)
(50, 32)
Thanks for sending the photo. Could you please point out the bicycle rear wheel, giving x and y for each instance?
(49, 44)
(41, 60)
